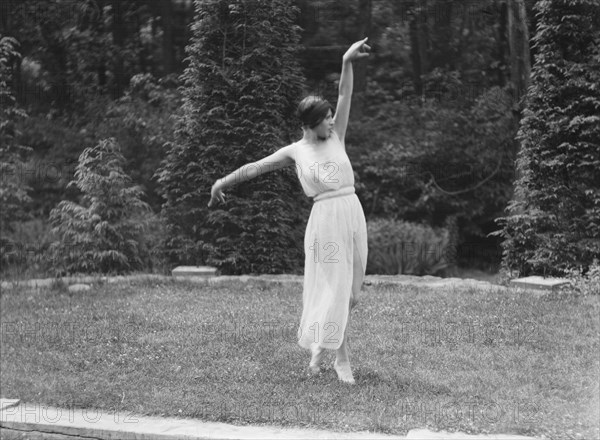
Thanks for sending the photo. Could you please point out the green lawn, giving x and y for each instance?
(468, 360)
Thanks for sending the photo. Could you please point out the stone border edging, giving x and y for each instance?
(48, 282)
(95, 424)
(410, 280)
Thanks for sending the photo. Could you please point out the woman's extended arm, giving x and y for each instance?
(342, 112)
(280, 159)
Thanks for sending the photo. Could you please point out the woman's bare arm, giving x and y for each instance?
(280, 159)
(342, 112)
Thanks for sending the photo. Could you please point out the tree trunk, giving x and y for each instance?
(415, 57)
(5, 14)
(418, 41)
(518, 41)
(100, 30)
(502, 45)
(118, 34)
(444, 48)
(520, 64)
(360, 68)
(168, 51)
(20, 93)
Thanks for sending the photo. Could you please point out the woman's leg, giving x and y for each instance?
(342, 355)
(342, 359)
(317, 356)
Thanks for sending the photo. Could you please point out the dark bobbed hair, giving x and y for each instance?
(312, 110)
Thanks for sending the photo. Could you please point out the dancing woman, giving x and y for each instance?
(335, 241)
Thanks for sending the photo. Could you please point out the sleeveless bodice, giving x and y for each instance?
(322, 168)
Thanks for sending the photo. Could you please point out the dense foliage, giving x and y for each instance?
(77, 51)
(554, 221)
(436, 110)
(241, 89)
(14, 197)
(436, 137)
(105, 233)
(440, 161)
(141, 121)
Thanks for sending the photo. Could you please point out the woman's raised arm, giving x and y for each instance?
(342, 112)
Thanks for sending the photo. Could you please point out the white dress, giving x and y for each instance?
(335, 242)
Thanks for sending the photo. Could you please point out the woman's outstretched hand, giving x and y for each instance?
(216, 194)
(357, 50)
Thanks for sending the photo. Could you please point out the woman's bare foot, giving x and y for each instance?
(344, 372)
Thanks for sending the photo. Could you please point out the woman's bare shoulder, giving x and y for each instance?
(295, 147)
(288, 152)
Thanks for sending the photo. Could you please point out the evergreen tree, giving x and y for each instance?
(105, 233)
(554, 219)
(241, 89)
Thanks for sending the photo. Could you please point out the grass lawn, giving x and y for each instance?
(468, 360)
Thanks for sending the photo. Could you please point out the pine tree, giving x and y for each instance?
(103, 234)
(554, 219)
(241, 89)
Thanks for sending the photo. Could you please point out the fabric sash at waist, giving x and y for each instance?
(346, 191)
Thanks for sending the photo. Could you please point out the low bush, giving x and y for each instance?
(585, 283)
(399, 247)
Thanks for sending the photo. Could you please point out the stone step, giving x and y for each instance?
(194, 271)
(539, 283)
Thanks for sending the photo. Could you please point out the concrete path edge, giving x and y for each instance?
(82, 423)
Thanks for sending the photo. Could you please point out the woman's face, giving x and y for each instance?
(325, 128)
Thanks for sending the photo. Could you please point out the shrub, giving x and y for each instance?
(399, 247)
(587, 283)
(104, 233)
